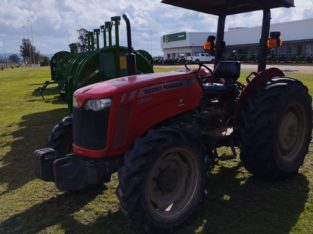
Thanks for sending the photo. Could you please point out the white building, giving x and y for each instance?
(243, 41)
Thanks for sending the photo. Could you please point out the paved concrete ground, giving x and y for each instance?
(284, 68)
(253, 67)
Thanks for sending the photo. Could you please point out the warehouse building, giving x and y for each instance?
(297, 39)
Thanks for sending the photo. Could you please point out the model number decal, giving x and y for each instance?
(167, 86)
(153, 89)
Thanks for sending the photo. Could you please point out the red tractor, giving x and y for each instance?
(161, 131)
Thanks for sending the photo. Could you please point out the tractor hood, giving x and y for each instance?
(229, 7)
(110, 88)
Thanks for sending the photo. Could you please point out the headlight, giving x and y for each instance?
(75, 103)
(98, 104)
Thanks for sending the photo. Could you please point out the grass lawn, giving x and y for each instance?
(236, 202)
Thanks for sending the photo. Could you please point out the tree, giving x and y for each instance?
(45, 61)
(37, 57)
(82, 39)
(14, 58)
(27, 51)
(31, 55)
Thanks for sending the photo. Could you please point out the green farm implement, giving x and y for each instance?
(73, 70)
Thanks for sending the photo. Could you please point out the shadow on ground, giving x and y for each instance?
(49, 95)
(232, 206)
(30, 135)
(235, 203)
(46, 92)
(55, 211)
(241, 205)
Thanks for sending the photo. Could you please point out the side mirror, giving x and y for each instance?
(275, 40)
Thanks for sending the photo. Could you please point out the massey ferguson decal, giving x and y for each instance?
(129, 97)
(166, 86)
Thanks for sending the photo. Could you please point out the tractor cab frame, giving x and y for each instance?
(224, 8)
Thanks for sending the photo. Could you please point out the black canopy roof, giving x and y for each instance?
(229, 7)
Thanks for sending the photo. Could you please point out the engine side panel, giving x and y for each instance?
(135, 111)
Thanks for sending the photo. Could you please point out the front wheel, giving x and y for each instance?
(61, 137)
(61, 140)
(275, 129)
(162, 180)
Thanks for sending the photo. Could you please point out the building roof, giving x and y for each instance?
(291, 31)
(229, 7)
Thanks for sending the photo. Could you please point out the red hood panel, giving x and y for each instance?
(116, 86)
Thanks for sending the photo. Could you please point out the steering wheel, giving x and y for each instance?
(199, 68)
(206, 67)
(204, 77)
(186, 65)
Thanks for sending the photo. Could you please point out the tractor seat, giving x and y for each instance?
(229, 71)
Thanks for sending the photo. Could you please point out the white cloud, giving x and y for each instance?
(17, 15)
(54, 22)
(48, 10)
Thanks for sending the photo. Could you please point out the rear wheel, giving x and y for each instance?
(162, 180)
(61, 137)
(275, 129)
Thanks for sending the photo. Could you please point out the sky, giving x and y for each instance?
(52, 24)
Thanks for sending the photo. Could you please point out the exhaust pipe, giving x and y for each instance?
(97, 33)
(116, 22)
(103, 30)
(108, 26)
(130, 56)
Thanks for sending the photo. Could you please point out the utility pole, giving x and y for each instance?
(31, 31)
(32, 56)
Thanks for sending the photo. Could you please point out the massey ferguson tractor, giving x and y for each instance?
(161, 131)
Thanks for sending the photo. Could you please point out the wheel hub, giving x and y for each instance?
(172, 182)
(289, 131)
(292, 131)
(167, 180)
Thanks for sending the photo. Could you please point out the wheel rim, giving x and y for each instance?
(172, 184)
(292, 130)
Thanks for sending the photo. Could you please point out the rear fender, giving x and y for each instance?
(256, 82)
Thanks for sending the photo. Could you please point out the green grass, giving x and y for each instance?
(236, 202)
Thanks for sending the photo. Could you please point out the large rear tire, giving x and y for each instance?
(61, 137)
(275, 129)
(162, 180)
